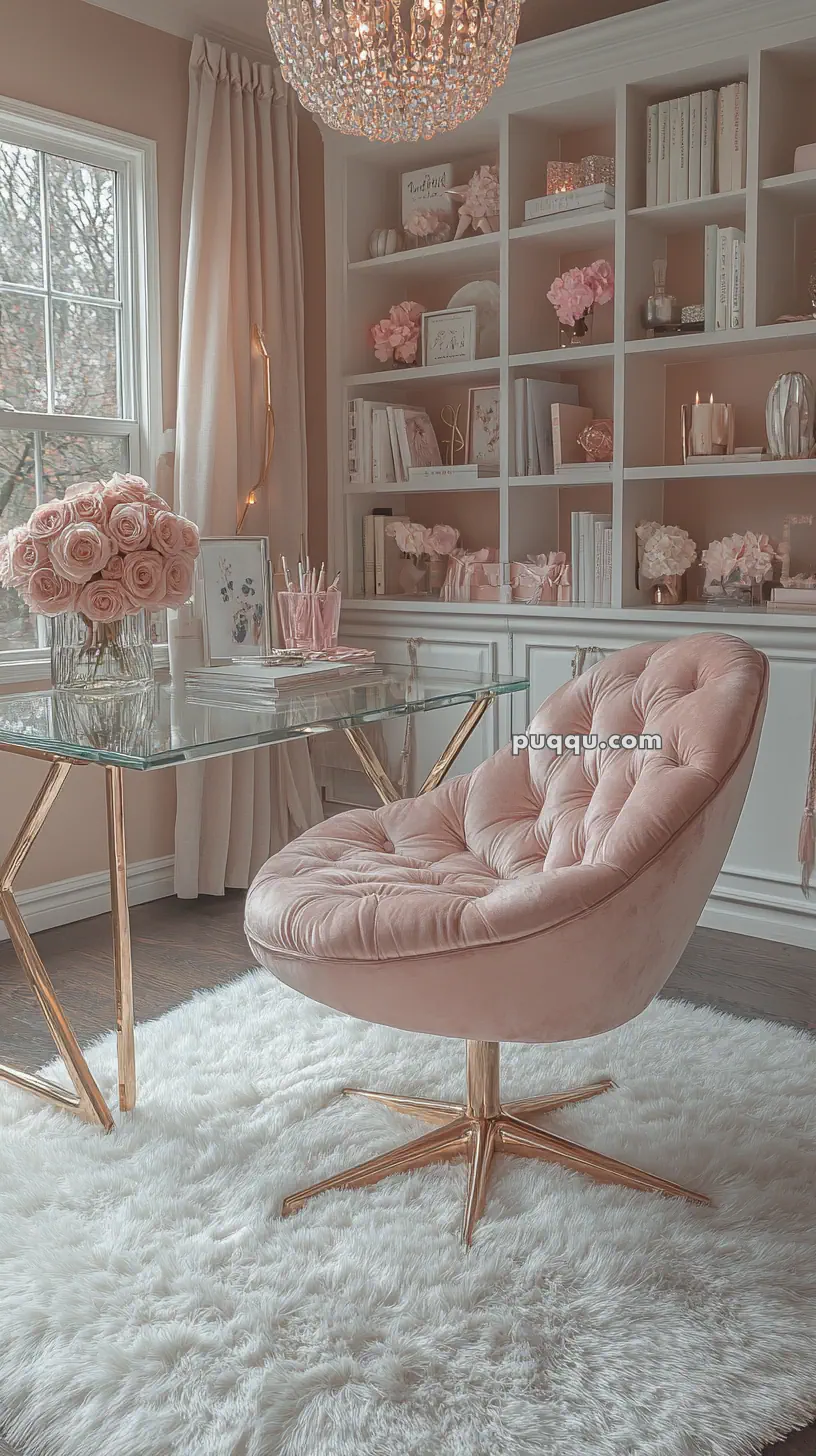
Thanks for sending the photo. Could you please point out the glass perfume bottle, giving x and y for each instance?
(662, 309)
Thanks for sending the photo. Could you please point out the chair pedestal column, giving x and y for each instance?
(482, 1069)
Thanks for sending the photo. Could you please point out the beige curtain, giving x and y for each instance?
(241, 264)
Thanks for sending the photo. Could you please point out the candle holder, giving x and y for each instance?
(563, 177)
(708, 429)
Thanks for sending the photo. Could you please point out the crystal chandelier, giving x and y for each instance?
(394, 70)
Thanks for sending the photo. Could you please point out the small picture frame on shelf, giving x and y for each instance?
(484, 429)
(234, 583)
(449, 335)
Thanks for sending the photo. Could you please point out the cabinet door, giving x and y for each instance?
(548, 666)
(761, 875)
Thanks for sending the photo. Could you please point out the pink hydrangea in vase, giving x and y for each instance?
(426, 226)
(397, 336)
(480, 202)
(96, 563)
(575, 294)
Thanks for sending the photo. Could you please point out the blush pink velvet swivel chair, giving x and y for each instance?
(538, 899)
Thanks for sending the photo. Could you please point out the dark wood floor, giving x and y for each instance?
(180, 947)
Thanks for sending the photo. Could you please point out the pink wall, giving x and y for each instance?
(87, 62)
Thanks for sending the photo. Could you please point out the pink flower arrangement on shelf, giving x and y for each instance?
(107, 551)
(575, 293)
(397, 336)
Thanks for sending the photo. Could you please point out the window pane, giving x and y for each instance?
(82, 227)
(86, 369)
(23, 379)
(17, 501)
(68, 459)
(21, 258)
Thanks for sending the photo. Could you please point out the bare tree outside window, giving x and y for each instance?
(63, 340)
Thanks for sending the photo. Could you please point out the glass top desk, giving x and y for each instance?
(160, 727)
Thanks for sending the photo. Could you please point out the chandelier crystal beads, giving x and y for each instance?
(394, 70)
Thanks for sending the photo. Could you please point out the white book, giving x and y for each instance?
(674, 149)
(531, 443)
(695, 135)
(737, 317)
(575, 554)
(683, 110)
(739, 150)
(379, 554)
(542, 394)
(353, 461)
(597, 562)
(520, 421)
(383, 471)
(663, 141)
(369, 580)
(598, 194)
(399, 469)
(606, 599)
(651, 155)
(585, 559)
(708, 144)
(725, 136)
(723, 278)
(710, 276)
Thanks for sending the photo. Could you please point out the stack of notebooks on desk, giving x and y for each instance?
(251, 685)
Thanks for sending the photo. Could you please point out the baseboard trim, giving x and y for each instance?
(65, 901)
(746, 903)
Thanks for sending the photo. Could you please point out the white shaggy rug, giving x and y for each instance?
(152, 1303)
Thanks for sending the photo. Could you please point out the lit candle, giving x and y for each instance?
(712, 428)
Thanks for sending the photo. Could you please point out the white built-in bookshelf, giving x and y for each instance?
(589, 92)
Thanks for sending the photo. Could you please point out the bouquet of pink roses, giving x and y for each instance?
(106, 551)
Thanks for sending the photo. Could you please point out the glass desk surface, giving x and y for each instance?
(161, 726)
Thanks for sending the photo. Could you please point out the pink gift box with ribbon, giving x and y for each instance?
(542, 579)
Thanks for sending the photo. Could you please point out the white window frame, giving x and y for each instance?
(134, 160)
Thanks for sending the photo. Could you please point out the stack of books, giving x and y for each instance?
(591, 558)
(724, 287)
(381, 555)
(385, 441)
(534, 401)
(249, 684)
(696, 145)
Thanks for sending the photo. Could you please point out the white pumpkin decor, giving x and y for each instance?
(384, 241)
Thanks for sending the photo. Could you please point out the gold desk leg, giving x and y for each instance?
(471, 720)
(88, 1102)
(376, 774)
(372, 768)
(122, 954)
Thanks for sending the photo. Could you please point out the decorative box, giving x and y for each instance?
(475, 576)
(542, 579)
(596, 169)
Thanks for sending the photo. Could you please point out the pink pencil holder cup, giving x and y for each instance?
(310, 621)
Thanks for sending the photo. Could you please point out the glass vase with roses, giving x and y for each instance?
(96, 563)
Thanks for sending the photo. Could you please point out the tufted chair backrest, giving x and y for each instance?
(618, 806)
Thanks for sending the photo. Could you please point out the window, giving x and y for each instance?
(79, 379)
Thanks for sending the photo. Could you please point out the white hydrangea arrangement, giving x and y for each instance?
(667, 550)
